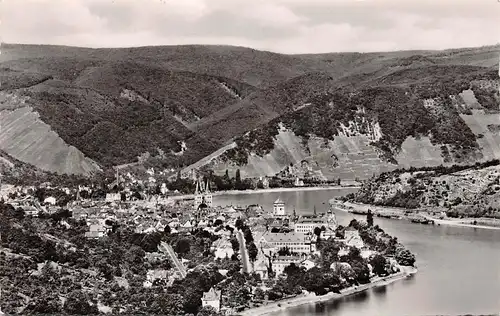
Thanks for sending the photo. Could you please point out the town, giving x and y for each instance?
(252, 255)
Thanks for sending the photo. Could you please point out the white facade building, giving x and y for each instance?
(211, 298)
(296, 242)
(202, 195)
(306, 225)
(279, 208)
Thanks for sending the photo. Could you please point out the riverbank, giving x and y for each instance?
(270, 190)
(404, 214)
(311, 298)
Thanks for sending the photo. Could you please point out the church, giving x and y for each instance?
(202, 194)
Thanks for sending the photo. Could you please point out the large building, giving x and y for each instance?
(295, 242)
(202, 195)
(279, 208)
(307, 225)
(279, 263)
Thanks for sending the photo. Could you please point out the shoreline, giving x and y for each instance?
(398, 214)
(311, 298)
(270, 190)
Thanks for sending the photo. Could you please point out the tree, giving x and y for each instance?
(238, 224)
(354, 224)
(369, 218)
(258, 294)
(404, 257)
(46, 303)
(317, 231)
(183, 246)
(252, 251)
(235, 244)
(248, 235)
(379, 263)
(77, 303)
(167, 230)
(361, 271)
(208, 311)
(237, 180)
(284, 251)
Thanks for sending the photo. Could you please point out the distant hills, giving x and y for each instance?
(338, 115)
(459, 191)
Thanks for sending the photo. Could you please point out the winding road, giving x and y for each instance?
(247, 267)
(164, 247)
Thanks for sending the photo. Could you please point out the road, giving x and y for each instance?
(171, 253)
(247, 267)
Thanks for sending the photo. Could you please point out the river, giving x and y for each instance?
(459, 267)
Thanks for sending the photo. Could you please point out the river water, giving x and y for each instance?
(459, 267)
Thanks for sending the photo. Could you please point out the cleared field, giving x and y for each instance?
(25, 137)
(490, 142)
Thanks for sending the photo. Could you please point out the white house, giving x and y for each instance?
(279, 263)
(96, 231)
(113, 197)
(279, 208)
(261, 269)
(222, 248)
(30, 211)
(153, 275)
(307, 264)
(211, 298)
(298, 182)
(50, 200)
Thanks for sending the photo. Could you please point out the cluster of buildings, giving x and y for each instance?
(281, 237)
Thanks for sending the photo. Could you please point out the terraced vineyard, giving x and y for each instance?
(26, 137)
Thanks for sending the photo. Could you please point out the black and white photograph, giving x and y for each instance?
(250, 157)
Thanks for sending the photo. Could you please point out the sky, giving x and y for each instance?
(285, 26)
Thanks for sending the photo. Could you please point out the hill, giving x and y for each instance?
(104, 107)
(467, 191)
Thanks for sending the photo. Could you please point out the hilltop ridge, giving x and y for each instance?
(183, 103)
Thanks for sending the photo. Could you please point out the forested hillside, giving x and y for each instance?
(97, 108)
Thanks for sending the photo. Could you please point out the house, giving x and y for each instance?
(265, 183)
(113, 197)
(298, 182)
(296, 242)
(30, 211)
(261, 269)
(222, 248)
(307, 264)
(279, 208)
(153, 275)
(211, 298)
(279, 263)
(96, 231)
(50, 200)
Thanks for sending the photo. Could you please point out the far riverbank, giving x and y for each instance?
(270, 190)
(311, 298)
(405, 214)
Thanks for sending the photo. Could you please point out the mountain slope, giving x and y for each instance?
(183, 103)
(472, 191)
